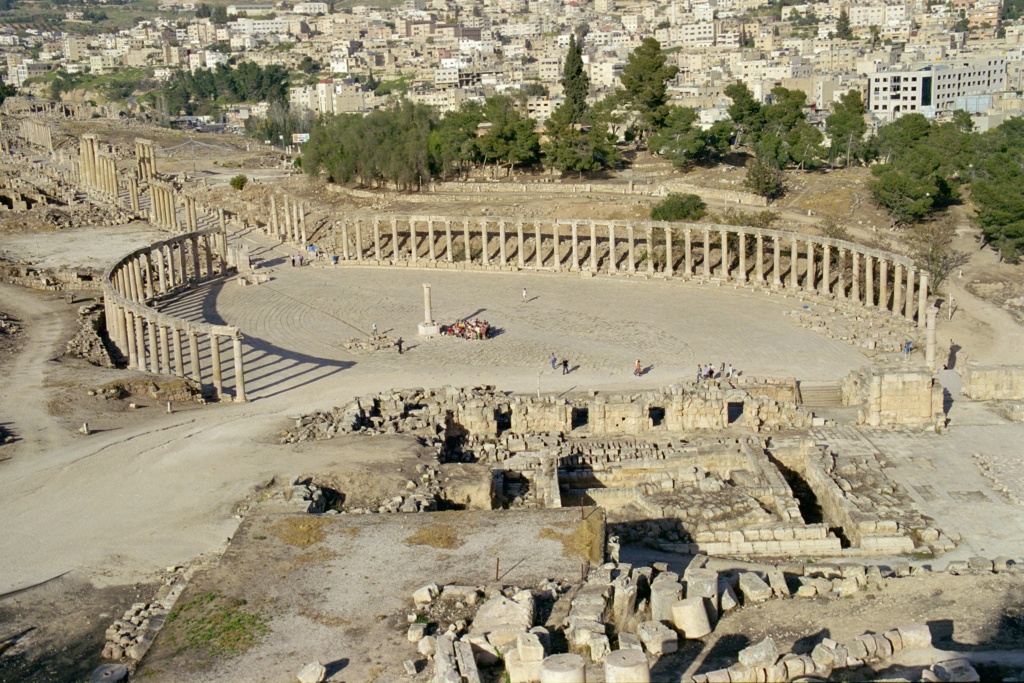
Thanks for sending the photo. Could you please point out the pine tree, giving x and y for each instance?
(843, 30)
(575, 82)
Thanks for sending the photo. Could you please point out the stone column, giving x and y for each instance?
(855, 289)
(465, 241)
(611, 248)
(776, 262)
(575, 246)
(236, 343)
(841, 273)
(154, 366)
(650, 249)
(183, 261)
(287, 220)
(302, 223)
(502, 250)
(869, 280)
(742, 274)
(519, 244)
(148, 269)
(193, 359)
(809, 277)
(897, 290)
(133, 194)
(668, 251)
(448, 240)
(273, 217)
(556, 243)
(414, 246)
(688, 252)
(432, 250)
(759, 266)
(593, 247)
(344, 239)
(428, 314)
(208, 250)
(218, 378)
(376, 239)
(194, 243)
(632, 259)
(359, 240)
(883, 284)
(922, 299)
(179, 361)
(140, 341)
(165, 351)
(909, 307)
(826, 269)
(794, 264)
(538, 243)
(394, 240)
(131, 341)
(483, 241)
(929, 347)
(723, 270)
(707, 255)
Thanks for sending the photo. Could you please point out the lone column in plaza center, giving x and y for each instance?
(428, 327)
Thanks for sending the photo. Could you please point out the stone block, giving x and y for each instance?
(763, 654)
(727, 598)
(563, 669)
(416, 632)
(314, 672)
(777, 581)
(426, 594)
(958, 670)
(600, 647)
(664, 594)
(980, 565)
(520, 671)
(753, 588)
(690, 617)
(628, 641)
(916, 636)
(467, 662)
(627, 666)
(657, 638)
(529, 647)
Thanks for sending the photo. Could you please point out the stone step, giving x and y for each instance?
(821, 395)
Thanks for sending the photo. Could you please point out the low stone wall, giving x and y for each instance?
(993, 383)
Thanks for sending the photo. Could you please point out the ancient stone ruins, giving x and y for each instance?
(737, 478)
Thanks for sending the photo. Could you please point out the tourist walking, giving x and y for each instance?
(565, 366)
(375, 330)
(639, 369)
(728, 371)
(700, 372)
(399, 345)
(524, 295)
(554, 361)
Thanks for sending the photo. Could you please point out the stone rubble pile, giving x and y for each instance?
(422, 496)
(632, 615)
(856, 325)
(9, 326)
(130, 637)
(371, 344)
(87, 342)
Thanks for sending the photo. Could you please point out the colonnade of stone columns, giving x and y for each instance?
(163, 208)
(145, 160)
(287, 220)
(160, 343)
(37, 133)
(97, 168)
(772, 259)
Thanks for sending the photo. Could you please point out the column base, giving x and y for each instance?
(429, 329)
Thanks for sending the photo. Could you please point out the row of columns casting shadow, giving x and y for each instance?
(158, 342)
(876, 278)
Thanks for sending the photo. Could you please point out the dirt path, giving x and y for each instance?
(48, 322)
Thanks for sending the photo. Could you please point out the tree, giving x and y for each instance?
(765, 179)
(202, 11)
(239, 182)
(575, 82)
(876, 34)
(679, 207)
(930, 244)
(832, 227)
(745, 111)
(7, 91)
(453, 143)
(843, 30)
(683, 143)
(219, 15)
(578, 147)
(511, 138)
(645, 80)
(804, 145)
(846, 127)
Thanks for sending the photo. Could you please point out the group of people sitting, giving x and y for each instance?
(710, 371)
(478, 329)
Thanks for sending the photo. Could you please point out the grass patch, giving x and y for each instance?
(213, 624)
(436, 536)
(300, 531)
(584, 540)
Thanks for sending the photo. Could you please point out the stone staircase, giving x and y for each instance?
(821, 395)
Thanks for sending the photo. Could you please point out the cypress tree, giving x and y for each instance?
(575, 82)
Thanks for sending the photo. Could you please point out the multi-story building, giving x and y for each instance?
(933, 88)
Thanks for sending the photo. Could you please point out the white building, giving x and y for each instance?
(933, 88)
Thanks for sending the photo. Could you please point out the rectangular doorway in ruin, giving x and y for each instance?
(580, 417)
(735, 411)
(657, 415)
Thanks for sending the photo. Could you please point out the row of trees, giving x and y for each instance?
(200, 91)
(926, 164)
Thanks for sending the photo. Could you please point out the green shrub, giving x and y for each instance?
(239, 181)
(679, 207)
